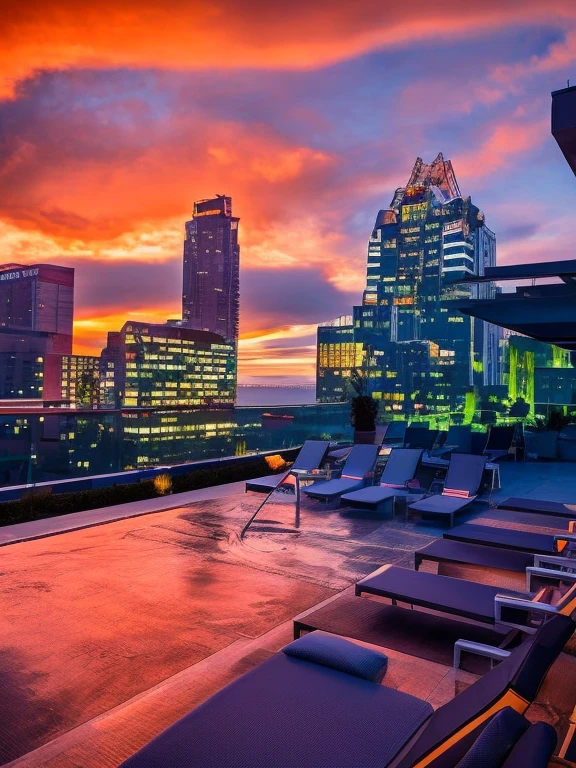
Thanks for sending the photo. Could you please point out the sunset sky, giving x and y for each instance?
(116, 116)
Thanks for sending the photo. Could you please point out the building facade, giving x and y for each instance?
(210, 289)
(419, 353)
(160, 366)
(36, 316)
(39, 297)
(80, 380)
(29, 368)
(541, 376)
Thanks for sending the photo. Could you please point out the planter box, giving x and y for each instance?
(364, 438)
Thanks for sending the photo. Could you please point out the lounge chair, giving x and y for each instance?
(508, 538)
(461, 553)
(458, 440)
(400, 469)
(395, 433)
(310, 457)
(308, 709)
(461, 487)
(420, 437)
(539, 506)
(469, 600)
(489, 560)
(359, 466)
(499, 442)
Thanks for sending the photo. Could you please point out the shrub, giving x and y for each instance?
(163, 484)
(363, 412)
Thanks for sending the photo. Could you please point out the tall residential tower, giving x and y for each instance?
(419, 352)
(210, 300)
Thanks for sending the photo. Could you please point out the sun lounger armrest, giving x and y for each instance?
(564, 537)
(491, 652)
(520, 603)
(546, 573)
(557, 560)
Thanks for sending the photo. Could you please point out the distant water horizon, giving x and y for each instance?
(269, 395)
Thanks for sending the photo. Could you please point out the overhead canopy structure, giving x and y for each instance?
(543, 312)
(564, 123)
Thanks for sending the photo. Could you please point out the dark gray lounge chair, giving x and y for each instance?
(310, 457)
(359, 466)
(507, 538)
(395, 433)
(447, 551)
(499, 442)
(469, 600)
(539, 506)
(461, 487)
(289, 711)
(458, 440)
(420, 437)
(400, 469)
(487, 558)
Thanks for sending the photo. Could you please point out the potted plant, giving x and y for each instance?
(363, 409)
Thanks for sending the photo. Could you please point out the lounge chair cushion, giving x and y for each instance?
(446, 550)
(441, 593)
(332, 488)
(539, 506)
(374, 494)
(265, 484)
(441, 504)
(337, 653)
(534, 749)
(524, 541)
(285, 713)
(496, 740)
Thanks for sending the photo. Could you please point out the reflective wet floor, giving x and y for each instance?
(119, 629)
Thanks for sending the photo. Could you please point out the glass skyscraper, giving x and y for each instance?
(418, 352)
(210, 299)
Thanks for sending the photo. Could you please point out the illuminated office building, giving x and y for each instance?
(160, 365)
(418, 351)
(540, 374)
(337, 354)
(210, 299)
(80, 380)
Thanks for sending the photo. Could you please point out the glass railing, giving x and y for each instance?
(55, 445)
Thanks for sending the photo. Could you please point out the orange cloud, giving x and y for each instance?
(224, 34)
(497, 151)
(90, 330)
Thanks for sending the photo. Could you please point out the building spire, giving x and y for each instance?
(439, 173)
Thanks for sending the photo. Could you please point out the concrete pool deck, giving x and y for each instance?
(110, 633)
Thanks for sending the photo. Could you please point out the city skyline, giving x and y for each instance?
(308, 136)
(416, 351)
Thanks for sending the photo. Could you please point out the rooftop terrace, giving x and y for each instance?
(111, 633)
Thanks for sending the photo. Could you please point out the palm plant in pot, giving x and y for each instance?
(363, 408)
